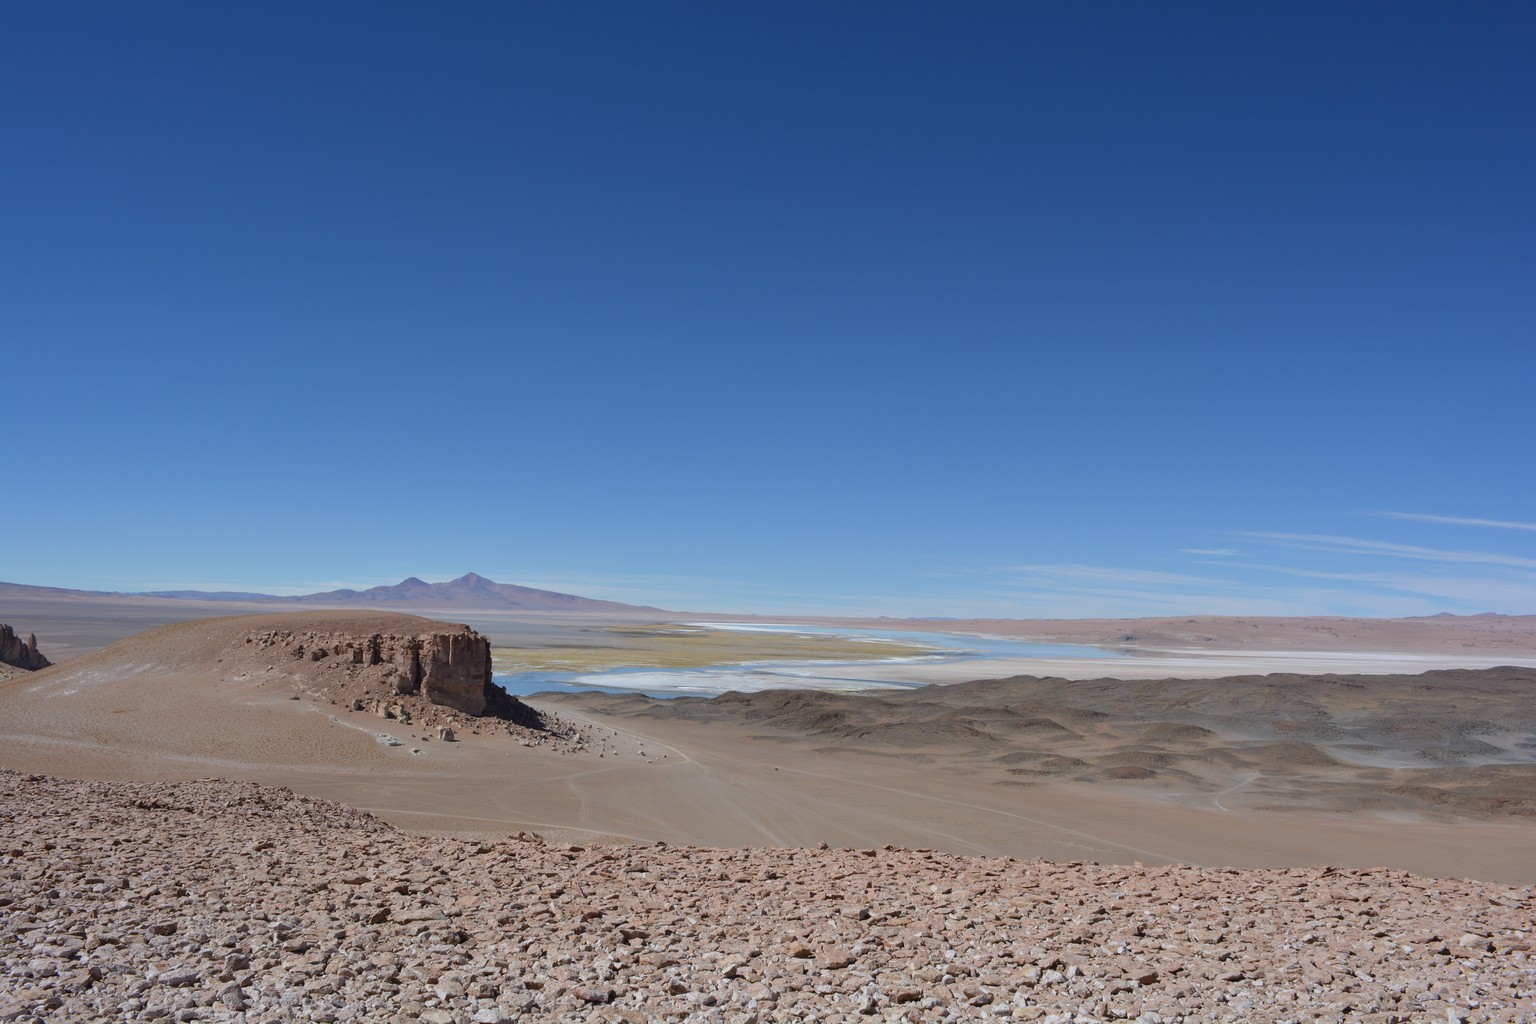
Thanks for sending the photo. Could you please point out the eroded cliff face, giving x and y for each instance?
(22, 654)
(450, 668)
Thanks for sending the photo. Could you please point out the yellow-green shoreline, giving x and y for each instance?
(674, 645)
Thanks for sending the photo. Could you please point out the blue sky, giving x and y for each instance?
(901, 308)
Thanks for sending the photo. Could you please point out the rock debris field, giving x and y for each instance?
(224, 901)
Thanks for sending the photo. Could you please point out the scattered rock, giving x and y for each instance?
(836, 959)
(222, 901)
(592, 994)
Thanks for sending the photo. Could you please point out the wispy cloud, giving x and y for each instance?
(1358, 546)
(1272, 573)
(1502, 589)
(1419, 517)
(1100, 575)
(1079, 590)
(1264, 572)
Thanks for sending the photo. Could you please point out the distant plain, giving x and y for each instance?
(1428, 773)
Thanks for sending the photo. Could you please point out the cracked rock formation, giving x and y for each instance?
(13, 651)
(447, 666)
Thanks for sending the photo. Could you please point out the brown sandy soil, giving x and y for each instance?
(193, 700)
(73, 625)
(212, 693)
(227, 902)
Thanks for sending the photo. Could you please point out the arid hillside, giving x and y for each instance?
(1452, 742)
(229, 902)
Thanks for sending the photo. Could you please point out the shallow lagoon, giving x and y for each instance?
(929, 648)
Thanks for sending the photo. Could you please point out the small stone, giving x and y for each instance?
(837, 959)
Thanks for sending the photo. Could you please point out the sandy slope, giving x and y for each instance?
(191, 700)
(77, 624)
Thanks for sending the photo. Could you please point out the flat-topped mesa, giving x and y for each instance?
(13, 651)
(447, 667)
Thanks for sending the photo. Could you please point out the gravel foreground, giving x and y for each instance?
(224, 901)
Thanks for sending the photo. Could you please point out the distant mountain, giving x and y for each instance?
(470, 592)
(198, 595)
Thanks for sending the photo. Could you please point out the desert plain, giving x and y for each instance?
(1257, 819)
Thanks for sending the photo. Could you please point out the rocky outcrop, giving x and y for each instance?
(22, 655)
(448, 667)
(456, 671)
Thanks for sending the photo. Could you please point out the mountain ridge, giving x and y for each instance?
(470, 592)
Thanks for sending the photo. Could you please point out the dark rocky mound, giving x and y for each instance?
(15, 652)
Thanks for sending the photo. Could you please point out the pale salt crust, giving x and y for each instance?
(923, 669)
(1148, 663)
